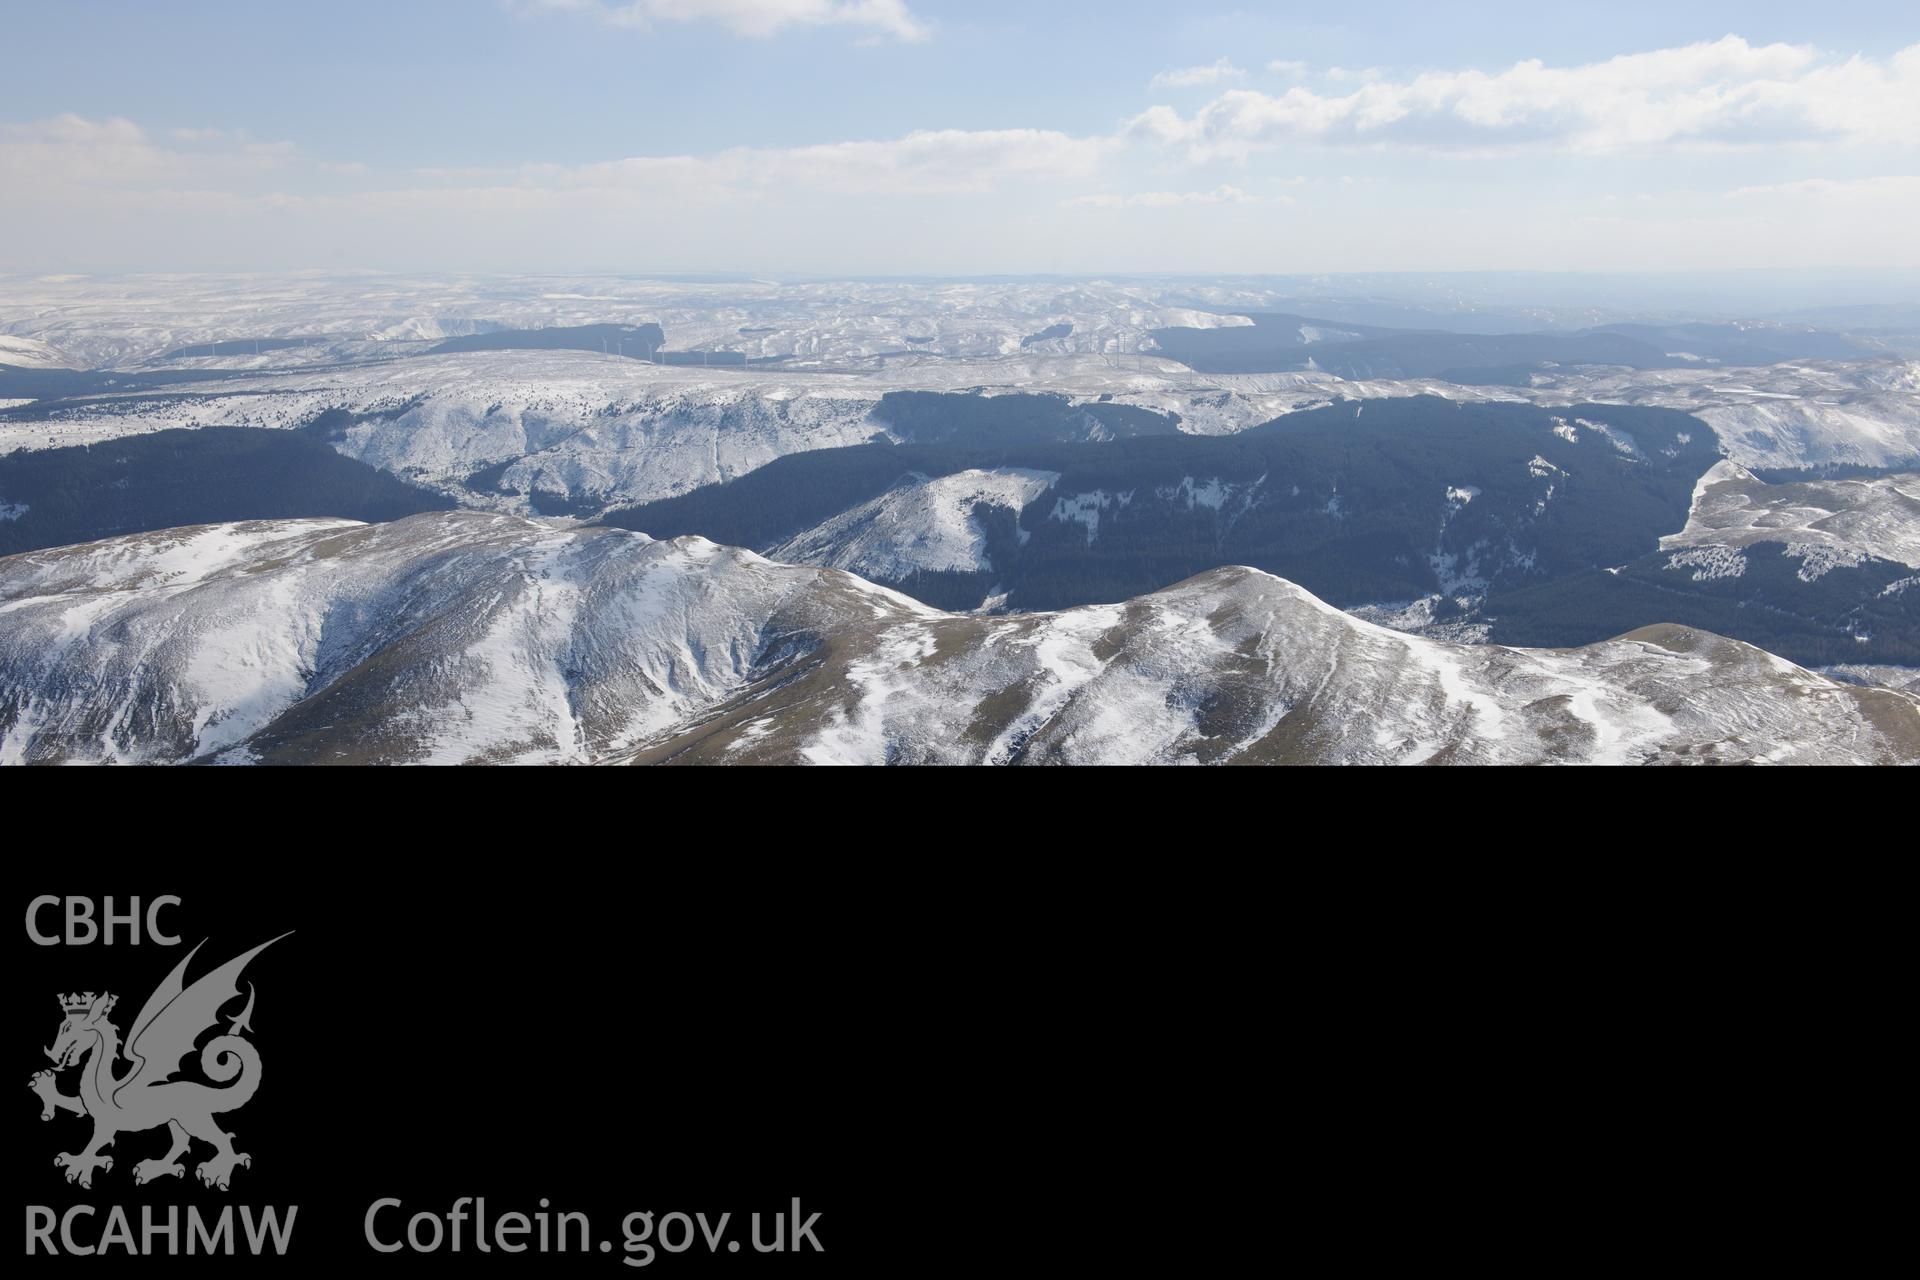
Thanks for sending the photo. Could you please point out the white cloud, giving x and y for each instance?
(1175, 199)
(1287, 67)
(925, 162)
(106, 194)
(1723, 93)
(935, 160)
(756, 18)
(69, 153)
(1901, 187)
(1197, 77)
(72, 150)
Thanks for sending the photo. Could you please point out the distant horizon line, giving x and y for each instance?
(717, 275)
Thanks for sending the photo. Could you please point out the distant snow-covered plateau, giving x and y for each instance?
(615, 426)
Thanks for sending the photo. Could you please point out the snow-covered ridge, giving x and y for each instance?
(498, 638)
(1826, 523)
(463, 636)
(592, 426)
(599, 428)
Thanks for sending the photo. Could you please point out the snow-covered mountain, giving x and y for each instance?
(463, 636)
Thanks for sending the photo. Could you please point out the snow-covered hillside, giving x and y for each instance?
(927, 525)
(612, 431)
(31, 353)
(1802, 414)
(474, 637)
(1823, 523)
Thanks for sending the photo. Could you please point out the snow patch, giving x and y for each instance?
(1212, 493)
(1085, 508)
(1709, 563)
(1622, 441)
(1818, 559)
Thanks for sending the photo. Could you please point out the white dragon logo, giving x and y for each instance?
(147, 1097)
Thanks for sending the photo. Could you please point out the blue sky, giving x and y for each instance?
(915, 136)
